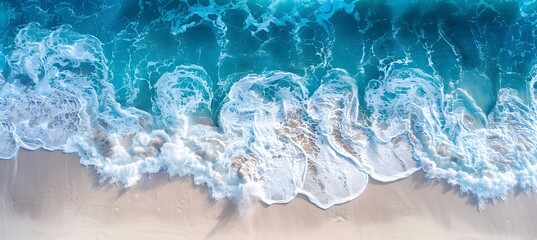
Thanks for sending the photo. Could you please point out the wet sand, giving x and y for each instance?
(49, 195)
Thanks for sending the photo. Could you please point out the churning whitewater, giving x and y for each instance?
(270, 99)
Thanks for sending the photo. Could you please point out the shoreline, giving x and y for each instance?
(49, 195)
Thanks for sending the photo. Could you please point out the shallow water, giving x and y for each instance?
(275, 98)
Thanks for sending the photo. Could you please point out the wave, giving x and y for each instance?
(271, 100)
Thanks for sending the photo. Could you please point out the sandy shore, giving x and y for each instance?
(48, 195)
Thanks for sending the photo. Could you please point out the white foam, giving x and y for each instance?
(273, 140)
(184, 93)
(332, 179)
(10, 143)
(254, 111)
(451, 137)
(335, 105)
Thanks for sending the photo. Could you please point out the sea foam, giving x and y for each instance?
(269, 100)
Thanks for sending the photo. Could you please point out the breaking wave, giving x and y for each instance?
(277, 98)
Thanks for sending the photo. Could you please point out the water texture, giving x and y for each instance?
(270, 99)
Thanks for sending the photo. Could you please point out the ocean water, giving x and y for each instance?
(270, 99)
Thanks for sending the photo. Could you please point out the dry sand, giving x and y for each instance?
(48, 195)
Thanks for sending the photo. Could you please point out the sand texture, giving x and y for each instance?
(49, 195)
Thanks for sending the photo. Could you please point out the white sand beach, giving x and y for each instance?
(49, 195)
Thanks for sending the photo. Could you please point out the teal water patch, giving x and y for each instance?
(272, 99)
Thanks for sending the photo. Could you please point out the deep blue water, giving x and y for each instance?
(277, 98)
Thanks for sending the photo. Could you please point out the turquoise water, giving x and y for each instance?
(270, 99)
